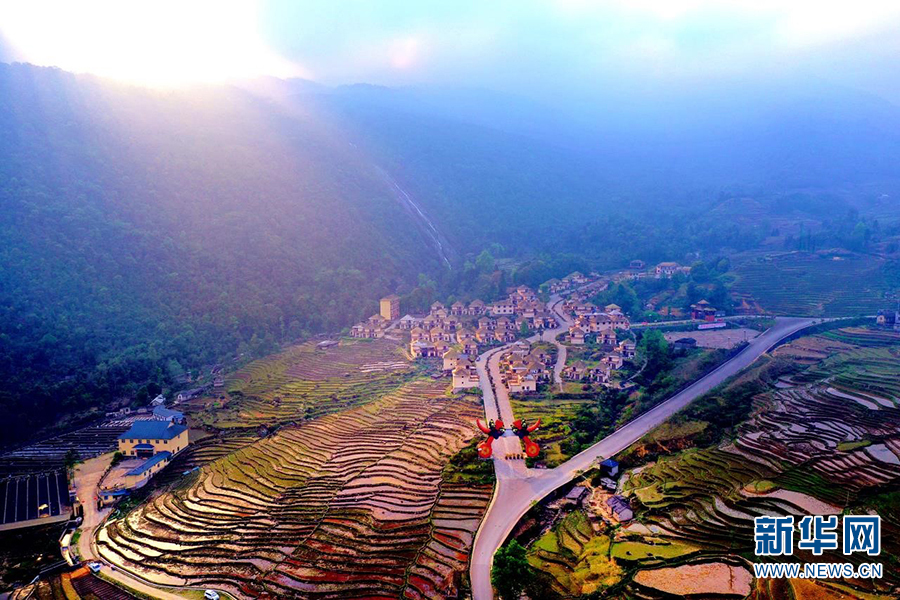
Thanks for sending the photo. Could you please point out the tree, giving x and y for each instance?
(700, 272)
(523, 329)
(72, 457)
(511, 572)
(485, 262)
(653, 349)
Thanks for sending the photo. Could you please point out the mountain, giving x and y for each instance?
(143, 233)
(542, 167)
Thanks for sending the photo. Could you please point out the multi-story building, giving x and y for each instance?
(146, 438)
(390, 307)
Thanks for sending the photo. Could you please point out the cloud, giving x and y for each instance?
(166, 42)
(513, 45)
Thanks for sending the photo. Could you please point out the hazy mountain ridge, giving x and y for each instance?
(141, 231)
(541, 169)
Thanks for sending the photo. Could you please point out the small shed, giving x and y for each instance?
(684, 344)
(577, 494)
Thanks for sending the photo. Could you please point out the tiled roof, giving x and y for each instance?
(149, 463)
(157, 430)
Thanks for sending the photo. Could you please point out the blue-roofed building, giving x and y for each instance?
(142, 473)
(108, 497)
(609, 467)
(147, 438)
(149, 464)
(169, 414)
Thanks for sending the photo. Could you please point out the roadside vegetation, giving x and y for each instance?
(696, 482)
(585, 412)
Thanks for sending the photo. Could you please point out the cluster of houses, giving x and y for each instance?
(523, 305)
(586, 283)
(522, 368)
(474, 324)
(589, 319)
(434, 334)
(616, 508)
(496, 322)
(603, 501)
(461, 366)
(376, 325)
(602, 327)
(572, 280)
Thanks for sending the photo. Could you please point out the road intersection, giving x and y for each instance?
(519, 487)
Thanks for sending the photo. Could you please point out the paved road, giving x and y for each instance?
(496, 397)
(564, 323)
(518, 488)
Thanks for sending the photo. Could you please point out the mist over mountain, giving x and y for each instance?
(546, 166)
(143, 233)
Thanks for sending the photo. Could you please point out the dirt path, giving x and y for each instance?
(87, 483)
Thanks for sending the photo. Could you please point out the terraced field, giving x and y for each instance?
(348, 505)
(822, 445)
(576, 560)
(824, 439)
(305, 382)
(811, 285)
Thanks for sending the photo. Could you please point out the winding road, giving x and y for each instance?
(518, 487)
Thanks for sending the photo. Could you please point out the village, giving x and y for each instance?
(457, 334)
(148, 437)
(530, 328)
(599, 338)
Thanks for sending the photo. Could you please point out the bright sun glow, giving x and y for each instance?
(161, 43)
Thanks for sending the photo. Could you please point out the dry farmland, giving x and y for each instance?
(715, 338)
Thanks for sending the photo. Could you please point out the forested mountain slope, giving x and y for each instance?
(142, 233)
(547, 170)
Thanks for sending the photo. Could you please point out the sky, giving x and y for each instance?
(535, 48)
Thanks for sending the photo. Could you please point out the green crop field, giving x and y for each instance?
(812, 285)
(825, 440)
(577, 560)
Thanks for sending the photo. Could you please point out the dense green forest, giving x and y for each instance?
(142, 234)
(146, 234)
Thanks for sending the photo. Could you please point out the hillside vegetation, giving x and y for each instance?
(146, 234)
(142, 234)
